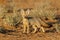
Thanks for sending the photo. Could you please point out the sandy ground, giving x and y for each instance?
(37, 36)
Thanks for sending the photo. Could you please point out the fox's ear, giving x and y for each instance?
(22, 11)
(27, 11)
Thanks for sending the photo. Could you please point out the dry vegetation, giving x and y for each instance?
(43, 16)
(21, 21)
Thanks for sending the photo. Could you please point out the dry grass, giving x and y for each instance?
(40, 16)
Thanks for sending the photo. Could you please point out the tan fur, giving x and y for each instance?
(36, 24)
(25, 22)
(32, 23)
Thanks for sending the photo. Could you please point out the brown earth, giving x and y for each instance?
(30, 3)
(37, 36)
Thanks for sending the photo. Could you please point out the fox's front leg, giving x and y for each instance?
(27, 28)
(24, 28)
